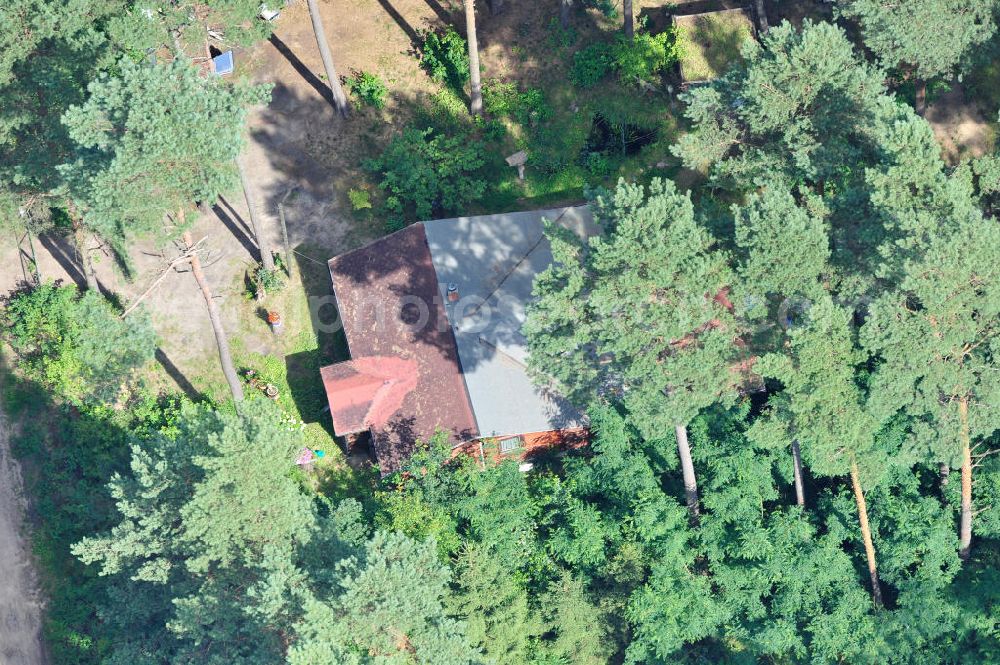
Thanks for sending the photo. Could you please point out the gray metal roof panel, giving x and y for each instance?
(493, 260)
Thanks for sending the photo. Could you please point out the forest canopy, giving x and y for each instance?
(784, 331)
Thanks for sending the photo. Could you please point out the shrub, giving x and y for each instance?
(368, 88)
(645, 57)
(502, 98)
(264, 280)
(445, 56)
(499, 96)
(76, 345)
(642, 59)
(425, 174)
(590, 65)
(360, 199)
(598, 165)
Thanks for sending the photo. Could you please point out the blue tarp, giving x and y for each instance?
(223, 64)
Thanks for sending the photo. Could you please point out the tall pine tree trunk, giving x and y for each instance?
(761, 16)
(800, 492)
(564, 8)
(339, 98)
(920, 100)
(266, 257)
(629, 19)
(866, 532)
(687, 469)
(476, 97)
(80, 242)
(965, 528)
(225, 357)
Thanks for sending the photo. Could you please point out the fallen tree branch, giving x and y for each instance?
(183, 258)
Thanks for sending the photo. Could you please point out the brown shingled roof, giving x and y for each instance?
(389, 303)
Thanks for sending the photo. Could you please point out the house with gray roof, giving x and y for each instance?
(433, 315)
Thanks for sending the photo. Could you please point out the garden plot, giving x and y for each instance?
(711, 42)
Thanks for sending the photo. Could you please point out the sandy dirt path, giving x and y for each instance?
(20, 599)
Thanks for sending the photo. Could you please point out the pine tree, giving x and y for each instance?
(137, 162)
(936, 337)
(830, 412)
(494, 606)
(643, 311)
(387, 607)
(910, 34)
(209, 515)
(581, 632)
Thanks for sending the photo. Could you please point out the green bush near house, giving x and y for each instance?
(76, 345)
(360, 199)
(646, 57)
(503, 98)
(426, 174)
(642, 59)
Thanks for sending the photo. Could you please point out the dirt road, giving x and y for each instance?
(20, 600)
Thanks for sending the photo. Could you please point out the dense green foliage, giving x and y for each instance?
(368, 88)
(640, 60)
(76, 345)
(135, 162)
(910, 33)
(445, 56)
(426, 174)
(823, 311)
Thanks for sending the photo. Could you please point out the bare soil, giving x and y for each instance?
(20, 598)
(959, 125)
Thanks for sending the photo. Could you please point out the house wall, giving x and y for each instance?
(533, 444)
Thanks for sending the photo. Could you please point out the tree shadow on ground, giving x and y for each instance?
(178, 376)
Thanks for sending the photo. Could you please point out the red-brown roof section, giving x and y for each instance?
(390, 307)
(366, 392)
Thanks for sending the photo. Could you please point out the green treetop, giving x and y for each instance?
(827, 407)
(937, 339)
(931, 37)
(785, 246)
(648, 302)
(208, 516)
(77, 345)
(796, 111)
(387, 608)
(154, 141)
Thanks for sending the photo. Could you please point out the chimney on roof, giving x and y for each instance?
(452, 292)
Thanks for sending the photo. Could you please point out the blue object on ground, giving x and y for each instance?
(319, 453)
(223, 64)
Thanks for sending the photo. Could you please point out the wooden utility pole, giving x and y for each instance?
(476, 96)
(225, 356)
(339, 98)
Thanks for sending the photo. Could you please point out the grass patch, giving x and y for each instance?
(711, 42)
